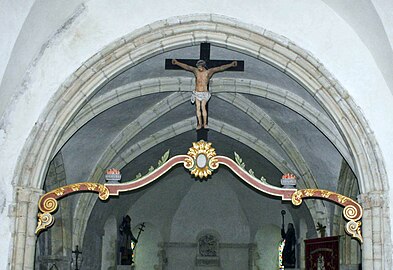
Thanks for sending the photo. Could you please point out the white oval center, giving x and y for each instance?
(201, 161)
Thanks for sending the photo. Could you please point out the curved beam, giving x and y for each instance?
(202, 167)
(85, 204)
(173, 100)
(352, 210)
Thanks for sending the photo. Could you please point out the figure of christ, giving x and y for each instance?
(201, 93)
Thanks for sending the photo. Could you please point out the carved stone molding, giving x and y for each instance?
(373, 199)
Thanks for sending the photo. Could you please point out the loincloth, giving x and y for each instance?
(200, 96)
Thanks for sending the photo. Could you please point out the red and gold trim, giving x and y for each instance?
(48, 202)
(201, 160)
(352, 212)
(284, 193)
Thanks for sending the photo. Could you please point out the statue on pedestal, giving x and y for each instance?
(289, 259)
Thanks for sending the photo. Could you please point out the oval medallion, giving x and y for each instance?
(201, 161)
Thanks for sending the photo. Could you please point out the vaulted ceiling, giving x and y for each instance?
(263, 114)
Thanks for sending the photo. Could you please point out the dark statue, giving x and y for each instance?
(288, 256)
(126, 239)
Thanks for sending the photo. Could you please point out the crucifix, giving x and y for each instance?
(203, 69)
(76, 252)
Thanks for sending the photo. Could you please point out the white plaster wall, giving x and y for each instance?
(384, 9)
(323, 33)
(29, 28)
(13, 16)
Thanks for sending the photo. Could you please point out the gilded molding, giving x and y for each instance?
(201, 160)
(45, 220)
(352, 211)
(48, 204)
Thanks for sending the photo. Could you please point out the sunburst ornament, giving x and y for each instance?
(200, 160)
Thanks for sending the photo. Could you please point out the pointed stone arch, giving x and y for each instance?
(170, 34)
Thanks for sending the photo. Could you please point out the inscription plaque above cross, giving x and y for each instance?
(203, 69)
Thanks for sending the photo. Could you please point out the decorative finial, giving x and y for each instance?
(288, 180)
(113, 175)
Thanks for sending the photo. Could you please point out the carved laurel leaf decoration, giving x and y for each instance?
(164, 158)
(239, 161)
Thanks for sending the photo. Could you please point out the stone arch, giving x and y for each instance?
(183, 84)
(257, 42)
(176, 99)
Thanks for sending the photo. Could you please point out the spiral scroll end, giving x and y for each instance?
(45, 220)
(297, 197)
(353, 229)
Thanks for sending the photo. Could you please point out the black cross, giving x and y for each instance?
(204, 54)
(76, 252)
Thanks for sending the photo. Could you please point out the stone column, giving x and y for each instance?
(375, 246)
(25, 216)
(109, 250)
(252, 250)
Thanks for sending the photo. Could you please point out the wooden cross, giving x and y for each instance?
(76, 252)
(204, 54)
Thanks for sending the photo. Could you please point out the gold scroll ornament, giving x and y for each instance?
(352, 212)
(48, 202)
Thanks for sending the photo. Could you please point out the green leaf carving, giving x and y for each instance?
(139, 175)
(263, 179)
(164, 158)
(239, 161)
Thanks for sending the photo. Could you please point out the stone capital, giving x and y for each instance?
(28, 194)
(373, 199)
